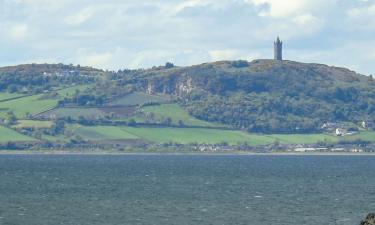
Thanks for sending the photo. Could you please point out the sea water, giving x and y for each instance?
(178, 190)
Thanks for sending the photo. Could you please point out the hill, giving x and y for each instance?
(39, 78)
(263, 102)
(267, 95)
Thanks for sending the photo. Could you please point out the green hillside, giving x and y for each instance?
(6, 96)
(9, 135)
(35, 104)
(36, 124)
(99, 133)
(177, 115)
(265, 95)
(139, 98)
(259, 103)
(74, 113)
(196, 135)
(304, 138)
(31, 104)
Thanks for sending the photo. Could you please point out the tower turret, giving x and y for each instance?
(278, 49)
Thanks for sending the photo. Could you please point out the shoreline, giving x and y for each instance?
(110, 153)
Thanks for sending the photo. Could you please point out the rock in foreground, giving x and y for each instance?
(370, 220)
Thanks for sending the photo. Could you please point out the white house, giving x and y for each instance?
(339, 132)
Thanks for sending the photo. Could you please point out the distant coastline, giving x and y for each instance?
(114, 153)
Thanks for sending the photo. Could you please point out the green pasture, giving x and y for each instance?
(97, 133)
(139, 98)
(197, 135)
(30, 104)
(303, 138)
(33, 124)
(56, 139)
(74, 113)
(364, 136)
(9, 135)
(34, 104)
(176, 113)
(5, 96)
(70, 91)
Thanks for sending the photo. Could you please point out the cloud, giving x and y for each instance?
(233, 54)
(80, 17)
(16, 31)
(95, 59)
(363, 11)
(362, 17)
(286, 8)
(276, 8)
(227, 54)
(117, 34)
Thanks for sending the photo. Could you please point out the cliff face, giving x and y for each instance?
(179, 86)
(257, 76)
(370, 220)
(267, 95)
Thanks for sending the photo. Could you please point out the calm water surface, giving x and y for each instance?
(178, 190)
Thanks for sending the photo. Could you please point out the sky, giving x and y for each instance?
(120, 34)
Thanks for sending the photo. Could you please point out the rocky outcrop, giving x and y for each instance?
(370, 220)
(172, 85)
(184, 87)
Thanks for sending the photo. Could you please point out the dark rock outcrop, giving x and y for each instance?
(370, 220)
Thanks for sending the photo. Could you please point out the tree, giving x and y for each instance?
(82, 120)
(28, 115)
(181, 123)
(150, 117)
(12, 88)
(169, 65)
(58, 127)
(132, 123)
(10, 118)
(167, 121)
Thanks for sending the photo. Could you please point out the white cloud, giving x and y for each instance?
(17, 32)
(227, 54)
(117, 34)
(287, 8)
(295, 28)
(362, 56)
(284, 8)
(100, 60)
(305, 19)
(185, 4)
(362, 17)
(232, 54)
(362, 12)
(81, 16)
(308, 24)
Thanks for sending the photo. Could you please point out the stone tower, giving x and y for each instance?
(278, 49)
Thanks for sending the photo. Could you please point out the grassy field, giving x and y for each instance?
(74, 113)
(197, 135)
(31, 104)
(176, 113)
(123, 113)
(99, 133)
(203, 136)
(303, 138)
(56, 139)
(139, 98)
(33, 124)
(5, 96)
(176, 135)
(34, 104)
(7, 135)
(365, 136)
(67, 92)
